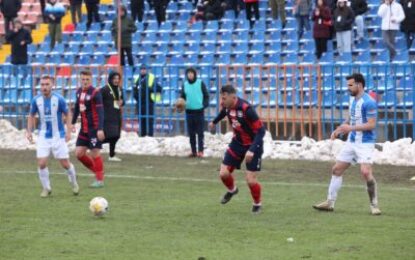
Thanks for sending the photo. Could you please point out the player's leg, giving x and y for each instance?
(43, 148)
(84, 158)
(252, 170)
(191, 129)
(227, 179)
(99, 168)
(343, 161)
(61, 152)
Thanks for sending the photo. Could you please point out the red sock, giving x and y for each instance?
(228, 181)
(256, 192)
(99, 168)
(87, 161)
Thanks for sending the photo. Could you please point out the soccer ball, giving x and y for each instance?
(98, 206)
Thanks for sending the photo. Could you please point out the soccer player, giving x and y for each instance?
(52, 137)
(360, 145)
(246, 144)
(89, 105)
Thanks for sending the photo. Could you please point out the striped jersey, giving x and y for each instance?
(50, 112)
(360, 110)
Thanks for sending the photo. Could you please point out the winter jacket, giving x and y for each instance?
(10, 8)
(343, 19)
(214, 7)
(75, 2)
(408, 24)
(19, 52)
(91, 2)
(303, 7)
(127, 29)
(112, 112)
(391, 12)
(359, 7)
(320, 27)
(56, 10)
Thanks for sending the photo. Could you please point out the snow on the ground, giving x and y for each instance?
(399, 152)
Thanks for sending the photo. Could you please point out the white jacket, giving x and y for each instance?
(391, 12)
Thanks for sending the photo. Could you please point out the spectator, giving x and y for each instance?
(42, 8)
(146, 92)
(19, 38)
(9, 8)
(76, 10)
(211, 10)
(112, 102)
(252, 7)
(92, 8)
(54, 11)
(196, 95)
(137, 10)
(408, 24)
(359, 8)
(236, 6)
(392, 15)
(160, 7)
(278, 8)
(343, 21)
(301, 11)
(321, 27)
(127, 29)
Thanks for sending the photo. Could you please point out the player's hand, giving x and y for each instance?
(345, 128)
(22, 43)
(249, 156)
(68, 136)
(334, 135)
(211, 126)
(29, 137)
(100, 135)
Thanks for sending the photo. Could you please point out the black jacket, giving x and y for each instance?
(142, 92)
(204, 90)
(10, 8)
(112, 115)
(75, 2)
(346, 21)
(408, 24)
(19, 52)
(90, 2)
(359, 7)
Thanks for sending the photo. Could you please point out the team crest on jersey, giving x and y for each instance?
(88, 97)
(240, 114)
(232, 113)
(93, 141)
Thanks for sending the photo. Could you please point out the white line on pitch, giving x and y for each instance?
(161, 178)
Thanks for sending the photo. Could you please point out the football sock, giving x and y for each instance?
(256, 193)
(71, 174)
(228, 181)
(87, 162)
(44, 178)
(372, 191)
(335, 185)
(99, 168)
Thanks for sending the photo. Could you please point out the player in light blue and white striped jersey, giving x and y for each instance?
(360, 145)
(51, 108)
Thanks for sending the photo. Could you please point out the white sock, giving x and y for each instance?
(71, 174)
(335, 185)
(44, 178)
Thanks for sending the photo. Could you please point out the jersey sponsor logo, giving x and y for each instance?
(232, 113)
(93, 141)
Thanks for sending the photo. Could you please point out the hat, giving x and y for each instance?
(143, 66)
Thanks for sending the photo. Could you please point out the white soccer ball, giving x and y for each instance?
(98, 206)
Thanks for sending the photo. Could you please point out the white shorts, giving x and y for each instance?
(356, 153)
(58, 147)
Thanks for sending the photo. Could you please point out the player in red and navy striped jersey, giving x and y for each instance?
(246, 144)
(89, 106)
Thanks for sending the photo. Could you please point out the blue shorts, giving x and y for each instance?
(89, 140)
(235, 154)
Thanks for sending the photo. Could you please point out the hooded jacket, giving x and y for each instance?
(195, 93)
(112, 111)
(127, 29)
(343, 18)
(408, 24)
(391, 12)
(10, 8)
(19, 52)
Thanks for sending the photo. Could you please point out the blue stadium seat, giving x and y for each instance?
(208, 48)
(291, 58)
(178, 49)
(240, 48)
(388, 100)
(226, 26)
(273, 59)
(344, 102)
(240, 59)
(363, 57)
(329, 99)
(273, 101)
(257, 47)
(224, 59)
(167, 27)
(196, 27)
(181, 26)
(87, 49)
(9, 96)
(168, 98)
(407, 101)
(152, 27)
(159, 60)
(177, 37)
(191, 59)
(274, 47)
(84, 60)
(344, 58)
(310, 98)
(242, 25)
(25, 96)
(207, 59)
(212, 26)
(309, 58)
(327, 58)
(257, 58)
(177, 60)
(292, 98)
(149, 37)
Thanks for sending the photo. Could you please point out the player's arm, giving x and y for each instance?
(100, 111)
(75, 112)
(31, 121)
(371, 114)
(217, 119)
(205, 95)
(259, 130)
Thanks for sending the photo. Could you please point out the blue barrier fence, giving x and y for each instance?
(293, 100)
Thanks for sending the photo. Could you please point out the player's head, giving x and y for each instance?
(46, 84)
(86, 78)
(123, 11)
(114, 78)
(143, 70)
(17, 23)
(355, 84)
(228, 96)
(341, 3)
(191, 74)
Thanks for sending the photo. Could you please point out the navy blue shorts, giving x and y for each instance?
(89, 140)
(235, 154)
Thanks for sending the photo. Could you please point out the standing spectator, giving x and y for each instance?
(92, 8)
(42, 8)
(343, 21)
(9, 8)
(54, 11)
(160, 7)
(127, 29)
(321, 27)
(146, 92)
(112, 101)
(195, 93)
(76, 11)
(137, 10)
(252, 7)
(19, 38)
(359, 8)
(211, 10)
(392, 15)
(302, 13)
(236, 6)
(278, 8)
(408, 24)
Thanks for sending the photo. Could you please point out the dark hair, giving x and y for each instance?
(229, 89)
(47, 77)
(86, 73)
(358, 78)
